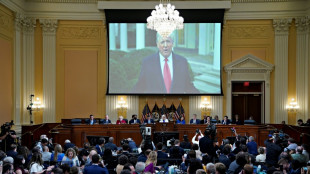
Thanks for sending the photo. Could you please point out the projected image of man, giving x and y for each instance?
(165, 71)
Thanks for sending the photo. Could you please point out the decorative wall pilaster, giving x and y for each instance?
(281, 29)
(302, 56)
(194, 106)
(49, 27)
(17, 70)
(217, 106)
(28, 25)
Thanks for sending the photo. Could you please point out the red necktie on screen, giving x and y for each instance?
(167, 76)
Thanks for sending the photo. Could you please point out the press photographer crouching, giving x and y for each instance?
(7, 136)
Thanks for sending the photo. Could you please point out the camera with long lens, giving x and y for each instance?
(6, 127)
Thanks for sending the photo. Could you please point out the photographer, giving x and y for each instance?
(7, 136)
(199, 137)
(206, 144)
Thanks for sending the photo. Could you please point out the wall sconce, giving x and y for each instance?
(35, 105)
(293, 106)
(121, 105)
(205, 105)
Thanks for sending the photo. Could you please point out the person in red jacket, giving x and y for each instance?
(121, 120)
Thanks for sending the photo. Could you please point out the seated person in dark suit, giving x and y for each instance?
(176, 151)
(134, 120)
(110, 144)
(160, 153)
(121, 120)
(92, 121)
(95, 168)
(226, 121)
(149, 120)
(194, 120)
(68, 145)
(236, 120)
(204, 120)
(106, 120)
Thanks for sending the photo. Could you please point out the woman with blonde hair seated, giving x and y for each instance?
(151, 162)
(70, 158)
(57, 155)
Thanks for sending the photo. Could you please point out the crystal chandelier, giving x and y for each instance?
(165, 19)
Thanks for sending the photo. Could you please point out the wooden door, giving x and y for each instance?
(247, 101)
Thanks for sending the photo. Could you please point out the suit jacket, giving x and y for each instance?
(206, 146)
(151, 120)
(227, 122)
(196, 122)
(161, 155)
(111, 146)
(121, 122)
(104, 121)
(132, 121)
(151, 77)
(99, 150)
(95, 169)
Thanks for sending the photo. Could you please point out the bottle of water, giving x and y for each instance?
(259, 168)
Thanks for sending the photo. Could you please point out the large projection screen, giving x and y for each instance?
(136, 59)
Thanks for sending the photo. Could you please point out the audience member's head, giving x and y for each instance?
(140, 166)
(74, 170)
(125, 147)
(194, 165)
(261, 150)
(151, 158)
(125, 171)
(95, 159)
(300, 122)
(200, 171)
(7, 168)
(129, 166)
(220, 168)
(65, 168)
(111, 140)
(206, 159)
(248, 169)
(226, 149)
(191, 154)
(133, 160)
(210, 168)
(299, 149)
(122, 160)
(159, 146)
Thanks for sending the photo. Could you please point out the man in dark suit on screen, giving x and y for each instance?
(165, 71)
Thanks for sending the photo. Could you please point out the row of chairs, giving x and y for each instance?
(77, 121)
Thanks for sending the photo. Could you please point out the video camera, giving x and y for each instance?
(6, 127)
(171, 142)
(211, 131)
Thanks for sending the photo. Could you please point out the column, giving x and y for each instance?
(194, 106)
(112, 37)
(302, 56)
(17, 70)
(267, 97)
(28, 65)
(49, 69)
(111, 101)
(123, 35)
(140, 36)
(217, 106)
(202, 46)
(281, 28)
(217, 47)
(133, 106)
